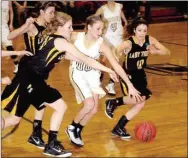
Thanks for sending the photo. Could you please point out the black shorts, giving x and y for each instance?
(28, 89)
(139, 81)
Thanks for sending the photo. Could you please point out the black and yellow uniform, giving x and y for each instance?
(32, 88)
(134, 64)
(32, 44)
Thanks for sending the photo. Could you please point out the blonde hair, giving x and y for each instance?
(59, 20)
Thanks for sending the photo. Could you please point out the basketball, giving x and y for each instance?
(145, 132)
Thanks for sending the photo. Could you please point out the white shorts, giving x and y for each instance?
(86, 83)
(114, 40)
(5, 32)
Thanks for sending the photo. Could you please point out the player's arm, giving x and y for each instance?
(19, 53)
(11, 13)
(123, 16)
(23, 29)
(63, 45)
(156, 47)
(123, 48)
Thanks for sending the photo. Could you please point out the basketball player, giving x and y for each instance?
(86, 80)
(7, 17)
(33, 36)
(112, 12)
(34, 90)
(136, 50)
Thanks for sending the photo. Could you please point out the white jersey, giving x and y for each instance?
(4, 26)
(114, 20)
(92, 52)
(84, 79)
(5, 12)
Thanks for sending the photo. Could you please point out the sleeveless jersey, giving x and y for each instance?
(33, 43)
(92, 52)
(136, 58)
(114, 20)
(46, 57)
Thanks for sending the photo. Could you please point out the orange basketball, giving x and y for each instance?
(145, 131)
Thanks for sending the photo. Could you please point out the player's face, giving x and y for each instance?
(96, 29)
(67, 29)
(141, 31)
(49, 14)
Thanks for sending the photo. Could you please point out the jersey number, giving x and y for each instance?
(140, 63)
(82, 66)
(113, 27)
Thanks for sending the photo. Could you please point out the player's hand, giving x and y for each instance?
(152, 49)
(6, 80)
(11, 28)
(29, 21)
(133, 93)
(24, 52)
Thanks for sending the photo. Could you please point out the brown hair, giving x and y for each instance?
(93, 19)
(35, 12)
(134, 24)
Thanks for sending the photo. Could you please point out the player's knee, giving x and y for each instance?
(16, 120)
(94, 110)
(89, 107)
(140, 106)
(141, 101)
(59, 106)
(62, 107)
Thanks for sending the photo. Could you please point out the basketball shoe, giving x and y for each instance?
(121, 132)
(110, 107)
(110, 89)
(37, 141)
(74, 135)
(55, 148)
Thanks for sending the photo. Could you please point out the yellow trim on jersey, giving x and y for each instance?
(44, 42)
(56, 54)
(76, 87)
(124, 88)
(52, 50)
(134, 39)
(126, 57)
(13, 112)
(33, 40)
(7, 100)
(29, 42)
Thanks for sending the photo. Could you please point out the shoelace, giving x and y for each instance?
(124, 130)
(58, 145)
(39, 136)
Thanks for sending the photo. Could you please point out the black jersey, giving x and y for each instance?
(33, 43)
(136, 58)
(46, 57)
